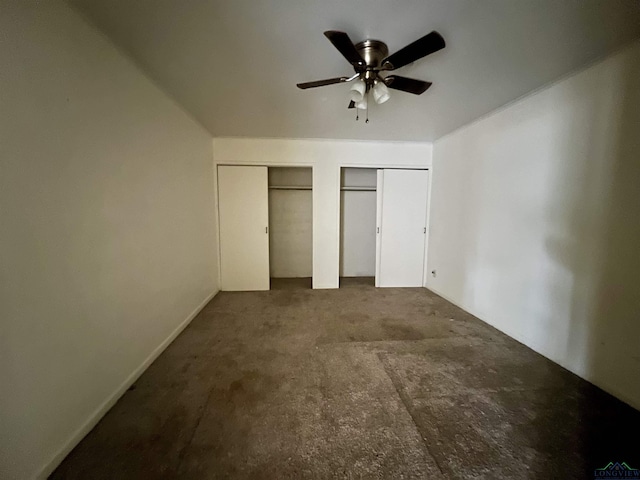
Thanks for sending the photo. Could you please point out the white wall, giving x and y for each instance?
(107, 237)
(535, 222)
(358, 223)
(326, 157)
(290, 224)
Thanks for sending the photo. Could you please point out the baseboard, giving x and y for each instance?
(598, 382)
(100, 412)
(324, 287)
(515, 335)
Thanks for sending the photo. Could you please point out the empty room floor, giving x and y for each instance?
(352, 383)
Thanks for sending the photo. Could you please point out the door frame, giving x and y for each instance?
(216, 206)
(429, 169)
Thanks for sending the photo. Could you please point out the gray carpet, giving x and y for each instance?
(352, 383)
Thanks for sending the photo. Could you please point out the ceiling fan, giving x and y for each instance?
(371, 57)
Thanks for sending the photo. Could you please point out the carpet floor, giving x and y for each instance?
(352, 383)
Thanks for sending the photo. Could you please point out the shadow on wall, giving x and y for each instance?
(598, 243)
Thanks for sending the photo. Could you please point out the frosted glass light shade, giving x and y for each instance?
(380, 92)
(357, 91)
(362, 104)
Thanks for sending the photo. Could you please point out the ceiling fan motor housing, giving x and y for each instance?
(372, 52)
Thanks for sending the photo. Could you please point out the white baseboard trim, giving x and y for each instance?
(100, 412)
(601, 383)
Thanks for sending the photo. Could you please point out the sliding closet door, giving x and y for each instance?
(402, 214)
(244, 219)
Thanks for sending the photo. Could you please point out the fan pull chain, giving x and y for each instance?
(367, 120)
(357, 116)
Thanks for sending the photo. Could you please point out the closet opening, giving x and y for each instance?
(358, 205)
(290, 228)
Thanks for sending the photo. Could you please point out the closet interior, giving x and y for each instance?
(357, 226)
(290, 227)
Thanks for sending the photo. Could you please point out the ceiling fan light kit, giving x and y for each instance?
(380, 92)
(362, 104)
(371, 57)
(358, 90)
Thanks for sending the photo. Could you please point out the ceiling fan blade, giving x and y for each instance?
(322, 83)
(417, 87)
(345, 46)
(432, 42)
(352, 104)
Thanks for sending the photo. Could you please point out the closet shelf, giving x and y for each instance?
(289, 187)
(308, 187)
(358, 189)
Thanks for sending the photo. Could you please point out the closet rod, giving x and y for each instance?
(289, 187)
(358, 189)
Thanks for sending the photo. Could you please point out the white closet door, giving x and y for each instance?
(243, 202)
(402, 216)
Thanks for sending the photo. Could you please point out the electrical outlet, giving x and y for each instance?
(433, 273)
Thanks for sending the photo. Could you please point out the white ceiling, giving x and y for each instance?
(234, 64)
